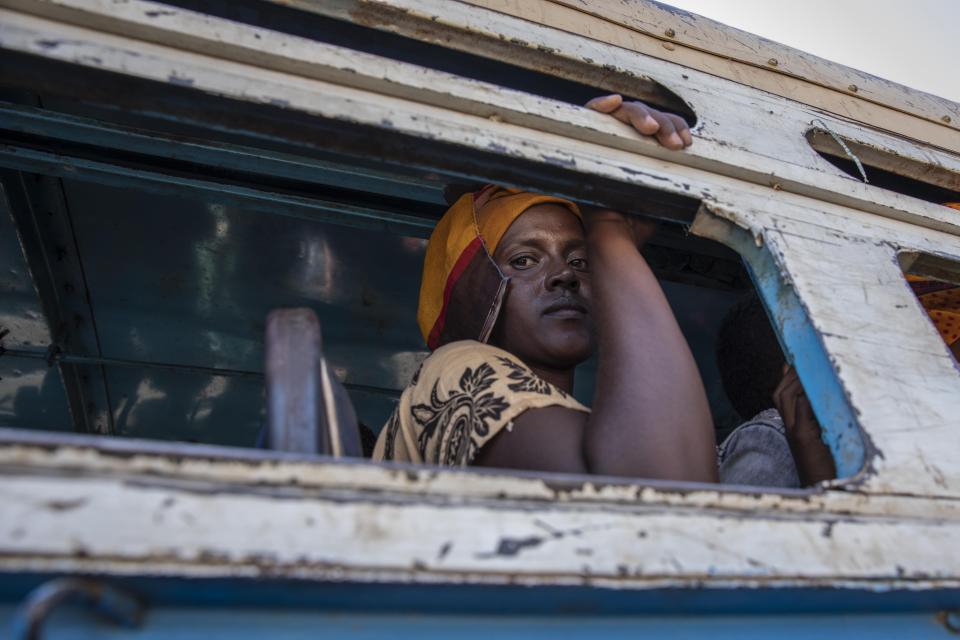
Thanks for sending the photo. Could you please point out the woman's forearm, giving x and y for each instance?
(650, 413)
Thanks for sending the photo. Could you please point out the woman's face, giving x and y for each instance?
(545, 319)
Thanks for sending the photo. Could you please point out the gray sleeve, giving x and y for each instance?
(757, 454)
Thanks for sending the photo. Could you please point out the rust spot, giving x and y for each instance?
(568, 163)
(182, 81)
(510, 547)
(65, 505)
(212, 557)
(444, 550)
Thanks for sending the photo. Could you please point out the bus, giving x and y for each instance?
(177, 176)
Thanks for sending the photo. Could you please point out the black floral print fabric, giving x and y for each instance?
(463, 395)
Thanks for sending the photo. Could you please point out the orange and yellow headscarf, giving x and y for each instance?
(941, 300)
(462, 288)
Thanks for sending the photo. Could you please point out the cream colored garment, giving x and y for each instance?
(464, 394)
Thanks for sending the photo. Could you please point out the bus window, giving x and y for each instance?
(933, 280)
(918, 178)
(160, 284)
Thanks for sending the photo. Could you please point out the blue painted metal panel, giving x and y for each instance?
(500, 600)
(208, 624)
(180, 608)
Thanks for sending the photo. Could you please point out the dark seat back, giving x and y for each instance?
(308, 410)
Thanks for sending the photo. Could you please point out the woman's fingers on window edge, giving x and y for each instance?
(670, 129)
(683, 129)
(667, 133)
(640, 116)
(606, 104)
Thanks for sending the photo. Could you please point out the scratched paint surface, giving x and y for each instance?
(894, 526)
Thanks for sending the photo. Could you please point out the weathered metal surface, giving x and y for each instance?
(478, 30)
(728, 140)
(114, 457)
(207, 532)
(692, 40)
(320, 521)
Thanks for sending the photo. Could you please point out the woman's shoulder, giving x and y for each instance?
(469, 354)
(469, 348)
(476, 364)
(463, 394)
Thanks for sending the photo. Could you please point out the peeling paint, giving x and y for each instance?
(396, 523)
(182, 81)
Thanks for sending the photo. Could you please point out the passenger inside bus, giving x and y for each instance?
(509, 310)
(780, 444)
(941, 301)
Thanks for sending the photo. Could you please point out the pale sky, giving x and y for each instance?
(911, 42)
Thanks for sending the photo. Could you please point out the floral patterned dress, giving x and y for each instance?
(463, 395)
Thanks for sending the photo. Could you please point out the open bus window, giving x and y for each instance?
(152, 293)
